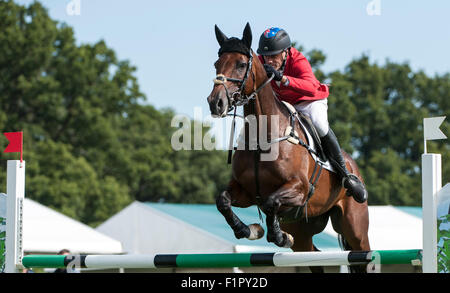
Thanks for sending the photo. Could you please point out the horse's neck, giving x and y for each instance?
(265, 103)
(268, 110)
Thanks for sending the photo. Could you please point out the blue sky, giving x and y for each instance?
(173, 45)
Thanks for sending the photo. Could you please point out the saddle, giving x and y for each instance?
(307, 126)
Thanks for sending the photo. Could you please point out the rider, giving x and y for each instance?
(294, 82)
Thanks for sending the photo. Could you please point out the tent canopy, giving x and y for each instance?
(47, 231)
(199, 228)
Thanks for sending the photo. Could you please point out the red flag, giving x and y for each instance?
(15, 143)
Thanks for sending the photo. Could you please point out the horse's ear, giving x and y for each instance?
(220, 36)
(247, 36)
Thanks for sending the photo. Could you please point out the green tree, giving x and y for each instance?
(91, 143)
(378, 113)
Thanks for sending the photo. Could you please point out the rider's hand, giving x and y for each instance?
(270, 70)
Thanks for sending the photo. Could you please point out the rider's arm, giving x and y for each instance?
(302, 79)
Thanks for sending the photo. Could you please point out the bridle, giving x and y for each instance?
(238, 97)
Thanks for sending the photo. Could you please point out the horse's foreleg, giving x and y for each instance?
(290, 194)
(234, 195)
(275, 234)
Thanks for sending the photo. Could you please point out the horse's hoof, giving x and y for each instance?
(288, 240)
(284, 240)
(256, 231)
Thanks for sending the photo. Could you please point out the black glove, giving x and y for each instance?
(270, 70)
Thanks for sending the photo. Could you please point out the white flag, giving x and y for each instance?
(431, 129)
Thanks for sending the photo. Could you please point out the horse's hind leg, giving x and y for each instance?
(303, 234)
(303, 242)
(306, 244)
(316, 269)
(352, 221)
(235, 195)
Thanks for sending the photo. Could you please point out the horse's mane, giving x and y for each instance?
(259, 66)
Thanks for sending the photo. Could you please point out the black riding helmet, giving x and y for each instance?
(273, 41)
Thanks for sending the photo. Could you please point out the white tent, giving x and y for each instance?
(47, 231)
(391, 228)
(145, 228)
(394, 228)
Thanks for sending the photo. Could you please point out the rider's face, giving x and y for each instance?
(275, 60)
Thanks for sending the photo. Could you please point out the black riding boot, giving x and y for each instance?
(352, 183)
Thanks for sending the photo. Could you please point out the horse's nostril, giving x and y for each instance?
(220, 105)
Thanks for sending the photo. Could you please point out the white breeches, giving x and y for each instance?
(318, 112)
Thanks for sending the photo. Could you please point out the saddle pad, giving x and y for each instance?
(309, 138)
(311, 143)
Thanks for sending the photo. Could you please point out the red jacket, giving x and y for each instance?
(303, 85)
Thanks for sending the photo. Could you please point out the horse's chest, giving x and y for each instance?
(268, 174)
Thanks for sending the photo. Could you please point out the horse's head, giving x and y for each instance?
(233, 72)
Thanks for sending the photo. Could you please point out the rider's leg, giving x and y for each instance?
(317, 111)
(352, 183)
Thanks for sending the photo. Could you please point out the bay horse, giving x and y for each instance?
(280, 186)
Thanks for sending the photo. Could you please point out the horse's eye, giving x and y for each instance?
(241, 65)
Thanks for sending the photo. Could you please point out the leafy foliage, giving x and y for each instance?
(92, 146)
